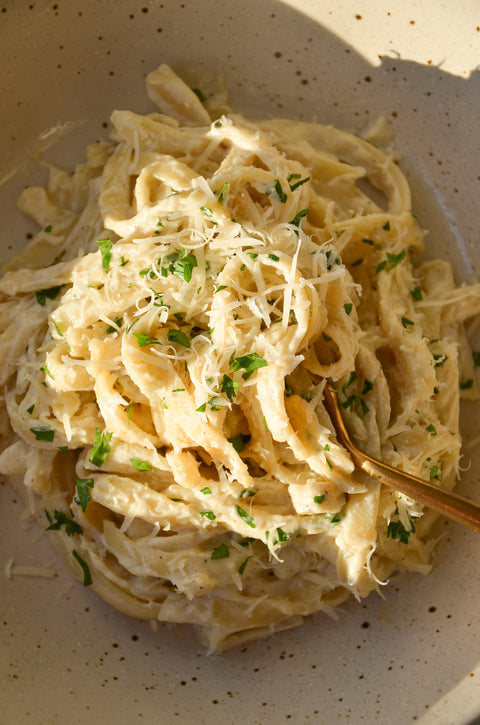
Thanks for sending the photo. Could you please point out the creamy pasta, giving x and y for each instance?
(165, 340)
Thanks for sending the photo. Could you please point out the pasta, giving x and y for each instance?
(165, 339)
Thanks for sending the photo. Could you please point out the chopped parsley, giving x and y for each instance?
(224, 193)
(282, 535)
(244, 563)
(229, 387)
(206, 490)
(298, 183)
(348, 307)
(30, 409)
(280, 193)
(431, 429)
(45, 370)
(180, 264)
(397, 531)
(319, 499)
(386, 226)
(391, 261)
(208, 515)
(60, 519)
(435, 471)
(105, 247)
(367, 387)
(200, 94)
(246, 517)
(57, 329)
(336, 518)
(144, 340)
(476, 358)
(208, 213)
(118, 322)
(238, 442)
(220, 552)
(246, 493)
(368, 241)
(417, 293)
(298, 218)
(83, 490)
(101, 448)
(439, 359)
(179, 337)
(51, 293)
(466, 384)
(249, 363)
(406, 322)
(43, 433)
(140, 465)
(87, 577)
(349, 401)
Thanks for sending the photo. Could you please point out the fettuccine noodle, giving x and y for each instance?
(165, 339)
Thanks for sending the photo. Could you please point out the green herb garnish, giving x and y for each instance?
(60, 519)
(140, 465)
(179, 337)
(229, 387)
(105, 247)
(83, 490)
(87, 577)
(51, 293)
(221, 552)
(43, 433)
(246, 517)
(101, 448)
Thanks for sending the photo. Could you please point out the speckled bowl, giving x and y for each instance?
(65, 656)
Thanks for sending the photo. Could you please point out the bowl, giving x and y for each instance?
(411, 654)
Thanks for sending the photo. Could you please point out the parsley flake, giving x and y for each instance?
(43, 433)
(229, 387)
(221, 552)
(179, 337)
(144, 340)
(246, 517)
(60, 519)
(105, 247)
(140, 465)
(280, 193)
(238, 442)
(101, 448)
(244, 563)
(51, 293)
(83, 489)
(87, 577)
(249, 363)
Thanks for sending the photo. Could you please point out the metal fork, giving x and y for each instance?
(460, 509)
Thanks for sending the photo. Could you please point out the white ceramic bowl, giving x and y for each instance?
(64, 654)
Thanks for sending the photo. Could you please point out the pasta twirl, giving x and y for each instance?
(165, 341)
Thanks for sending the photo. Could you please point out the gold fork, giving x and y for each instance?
(450, 504)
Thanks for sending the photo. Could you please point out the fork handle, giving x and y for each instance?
(460, 509)
(450, 504)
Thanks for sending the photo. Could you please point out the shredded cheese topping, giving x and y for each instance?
(164, 343)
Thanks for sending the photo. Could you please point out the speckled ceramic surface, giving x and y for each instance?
(65, 656)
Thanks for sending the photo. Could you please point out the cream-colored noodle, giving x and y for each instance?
(211, 274)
